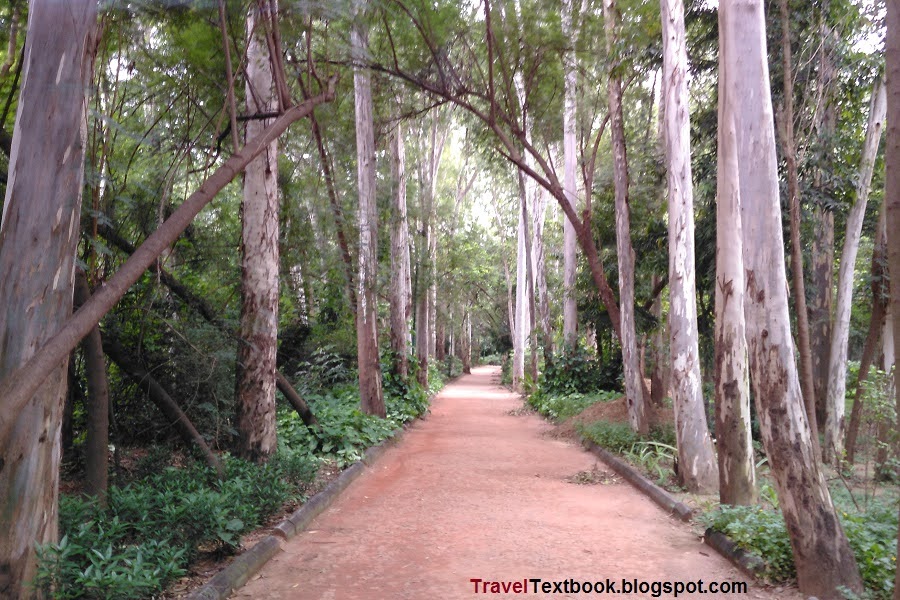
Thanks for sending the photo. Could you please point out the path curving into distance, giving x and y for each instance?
(474, 492)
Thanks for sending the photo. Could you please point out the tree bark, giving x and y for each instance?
(96, 446)
(18, 386)
(880, 297)
(370, 392)
(539, 269)
(840, 335)
(522, 330)
(255, 377)
(892, 193)
(697, 459)
(38, 236)
(637, 413)
(163, 401)
(790, 157)
(466, 342)
(400, 290)
(570, 264)
(737, 475)
(821, 553)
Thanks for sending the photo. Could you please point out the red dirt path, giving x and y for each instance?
(475, 492)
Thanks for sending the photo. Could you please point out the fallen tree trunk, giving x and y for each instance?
(206, 311)
(161, 398)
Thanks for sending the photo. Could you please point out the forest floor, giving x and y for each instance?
(480, 489)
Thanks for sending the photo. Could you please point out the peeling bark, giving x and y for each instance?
(370, 392)
(697, 459)
(256, 358)
(400, 290)
(38, 236)
(821, 553)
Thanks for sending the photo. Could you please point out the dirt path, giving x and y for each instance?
(473, 492)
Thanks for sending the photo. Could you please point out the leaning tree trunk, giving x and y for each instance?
(634, 392)
(399, 256)
(255, 377)
(697, 459)
(821, 553)
(892, 192)
(880, 291)
(570, 158)
(370, 393)
(790, 156)
(96, 445)
(737, 475)
(38, 236)
(840, 335)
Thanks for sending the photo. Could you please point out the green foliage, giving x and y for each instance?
(564, 405)
(655, 458)
(872, 535)
(577, 370)
(153, 527)
(615, 437)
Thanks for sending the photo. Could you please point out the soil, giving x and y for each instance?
(476, 492)
(614, 411)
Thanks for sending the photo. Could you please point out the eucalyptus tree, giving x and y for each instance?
(370, 392)
(695, 449)
(822, 555)
(255, 380)
(401, 289)
(837, 379)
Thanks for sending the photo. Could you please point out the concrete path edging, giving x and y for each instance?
(650, 489)
(246, 565)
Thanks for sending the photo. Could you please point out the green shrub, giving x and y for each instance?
(758, 531)
(615, 437)
(153, 527)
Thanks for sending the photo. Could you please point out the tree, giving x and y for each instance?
(370, 392)
(570, 307)
(255, 379)
(634, 393)
(695, 449)
(400, 282)
(892, 190)
(822, 556)
(39, 231)
(840, 333)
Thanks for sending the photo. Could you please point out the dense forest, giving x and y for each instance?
(243, 241)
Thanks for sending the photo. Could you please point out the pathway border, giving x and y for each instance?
(246, 565)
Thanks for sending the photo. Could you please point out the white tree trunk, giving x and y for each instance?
(400, 291)
(822, 555)
(634, 393)
(542, 299)
(39, 233)
(370, 392)
(570, 158)
(840, 333)
(697, 459)
(522, 321)
(255, 379)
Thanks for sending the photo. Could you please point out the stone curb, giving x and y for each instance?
(245, 566)
(748, 564)
(650, 489)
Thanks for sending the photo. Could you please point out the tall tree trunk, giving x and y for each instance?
(892, 193)
(634, 393)
(96, 453)
(370, 392)
(840, 335)
(737, 476)
(38, 236)
(522, 331)
(822, 248)
(697, 459)
(400, 292)
(790, 156)
(570, 265)
(539, 268)
(880, 297)
(466, 342)
(821, 553)
(255, 379)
